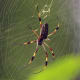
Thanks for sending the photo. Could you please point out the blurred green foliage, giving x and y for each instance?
(65, 68)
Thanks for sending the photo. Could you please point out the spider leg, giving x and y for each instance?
(51, 50)
(29, 42)
(46, 62)
(35, 32)
(33, 55)
(47, 39)
(52, 33)
(39, 17)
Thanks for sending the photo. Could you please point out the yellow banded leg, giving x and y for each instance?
(39, 20)
(33, 56)
(52, 33)
(29, 42)
(46, 62)
(51, 50)
(39, 17)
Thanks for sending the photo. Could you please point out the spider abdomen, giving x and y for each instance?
(43, 33)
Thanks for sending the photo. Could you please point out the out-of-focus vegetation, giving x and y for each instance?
(65, 68)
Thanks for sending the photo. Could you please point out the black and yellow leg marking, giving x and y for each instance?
(30, 42)
(52, 33)
(33, 56)
(46, 62)
(51, 50)
(39, 17)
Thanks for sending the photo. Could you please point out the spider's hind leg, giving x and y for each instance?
(51, 50)
(46, 62)
(33, 55)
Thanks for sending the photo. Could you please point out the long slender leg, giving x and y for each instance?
(35, 32)
(46, 62)
(51, 50)
(39, 17)
(33, 55)
(30, 42)
(47, 39)
(52, 33)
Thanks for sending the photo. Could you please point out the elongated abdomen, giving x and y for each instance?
(43, 33)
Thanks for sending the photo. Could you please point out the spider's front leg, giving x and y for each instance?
(52, 33)
(33, 55)
(39, 17)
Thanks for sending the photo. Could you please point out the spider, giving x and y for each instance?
(42, 38)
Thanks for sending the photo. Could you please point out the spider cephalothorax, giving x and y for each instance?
(41, 39)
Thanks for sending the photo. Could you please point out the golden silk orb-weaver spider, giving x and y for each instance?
(41, 39)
